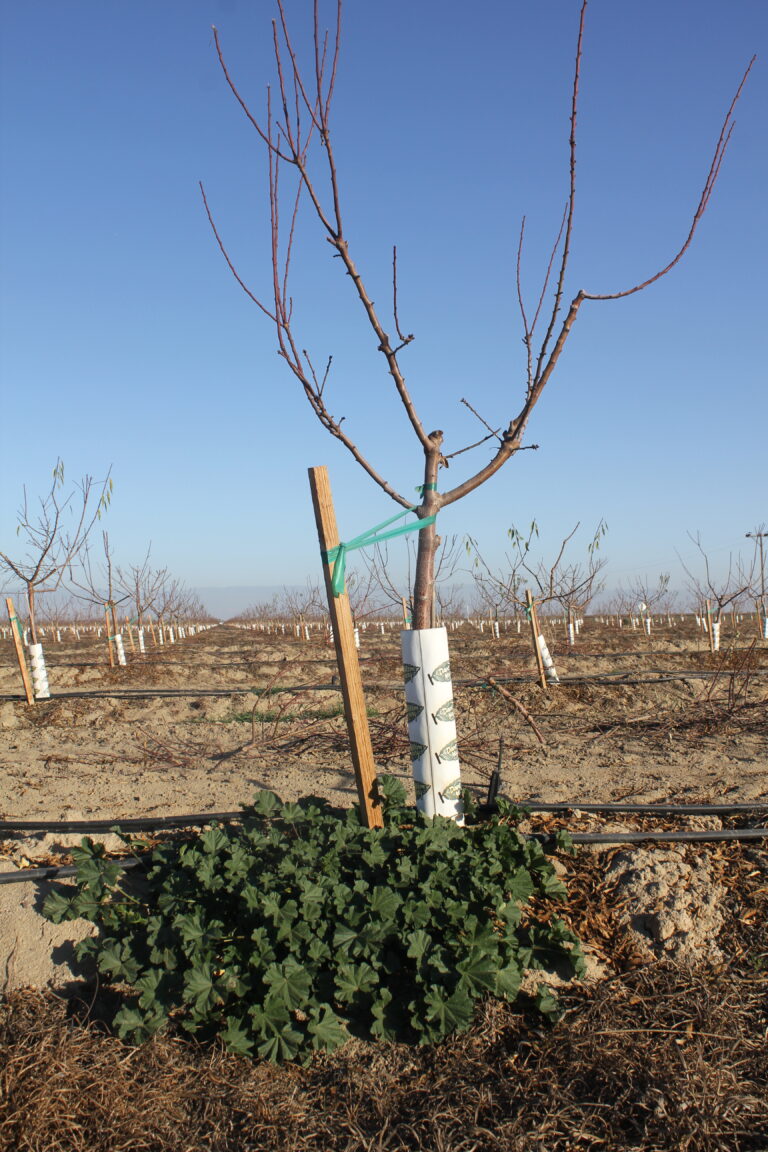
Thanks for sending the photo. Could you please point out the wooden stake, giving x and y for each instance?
(346, 655)
(130, 635)
(535, 636)
(19, 645)
(406, 622)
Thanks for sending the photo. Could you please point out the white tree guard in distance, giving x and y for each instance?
(431, 722)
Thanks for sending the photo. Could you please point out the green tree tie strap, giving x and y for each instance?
(338, 556)
(15, 620)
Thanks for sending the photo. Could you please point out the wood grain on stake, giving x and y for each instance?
(19, 650)
(346, 654)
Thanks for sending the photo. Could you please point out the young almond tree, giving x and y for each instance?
(53, 533)
(715, 590)
(142, 585)
(572, 585)
(647, 596)
(296, 131)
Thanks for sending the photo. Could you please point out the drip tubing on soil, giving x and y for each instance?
(54, 872)
(606, 679)
(132, 824)
(651, 809)
(195, 819)
(679, 837)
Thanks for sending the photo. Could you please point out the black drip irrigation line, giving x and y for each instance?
(680, 837)
(132, 824)
(650, 809)
(607, 679)
(198, 819)
(160, 823)
(57, 871)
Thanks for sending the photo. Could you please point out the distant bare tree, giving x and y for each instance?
(143, 584)
(56, 609)
(571, 585)
(725, 589)
(450, 601)
(191, 608)
(94, 581)
(53, 534)
(647, 594)
(305, 603)
(396, 591)
(501, 590)
(261, 610)
(364, 594)
(173, 601)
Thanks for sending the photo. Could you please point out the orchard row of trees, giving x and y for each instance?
(566, 582)
(59, 556)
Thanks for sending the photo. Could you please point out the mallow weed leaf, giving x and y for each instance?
(287, 932)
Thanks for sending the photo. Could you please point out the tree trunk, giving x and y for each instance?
(31, 603)
(424, 583)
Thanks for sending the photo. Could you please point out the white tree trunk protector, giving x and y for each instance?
(550, 672)
(765, 628)
(120, 650)
(39, 673)
(142, 647)
(431, 722)
(716, 635)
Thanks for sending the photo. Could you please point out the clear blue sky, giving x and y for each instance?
(125, 340)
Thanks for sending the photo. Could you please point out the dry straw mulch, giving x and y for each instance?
(657, 1057)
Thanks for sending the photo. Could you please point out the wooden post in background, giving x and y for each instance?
(19, 645)
(346, 655)
(710, 636)
(535, 635)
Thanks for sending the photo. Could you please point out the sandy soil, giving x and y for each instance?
(199, 726)
(189, 728)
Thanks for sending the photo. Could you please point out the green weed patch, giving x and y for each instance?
(299, 927)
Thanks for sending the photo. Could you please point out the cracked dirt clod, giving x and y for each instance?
(33, 952)
(671, 907)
